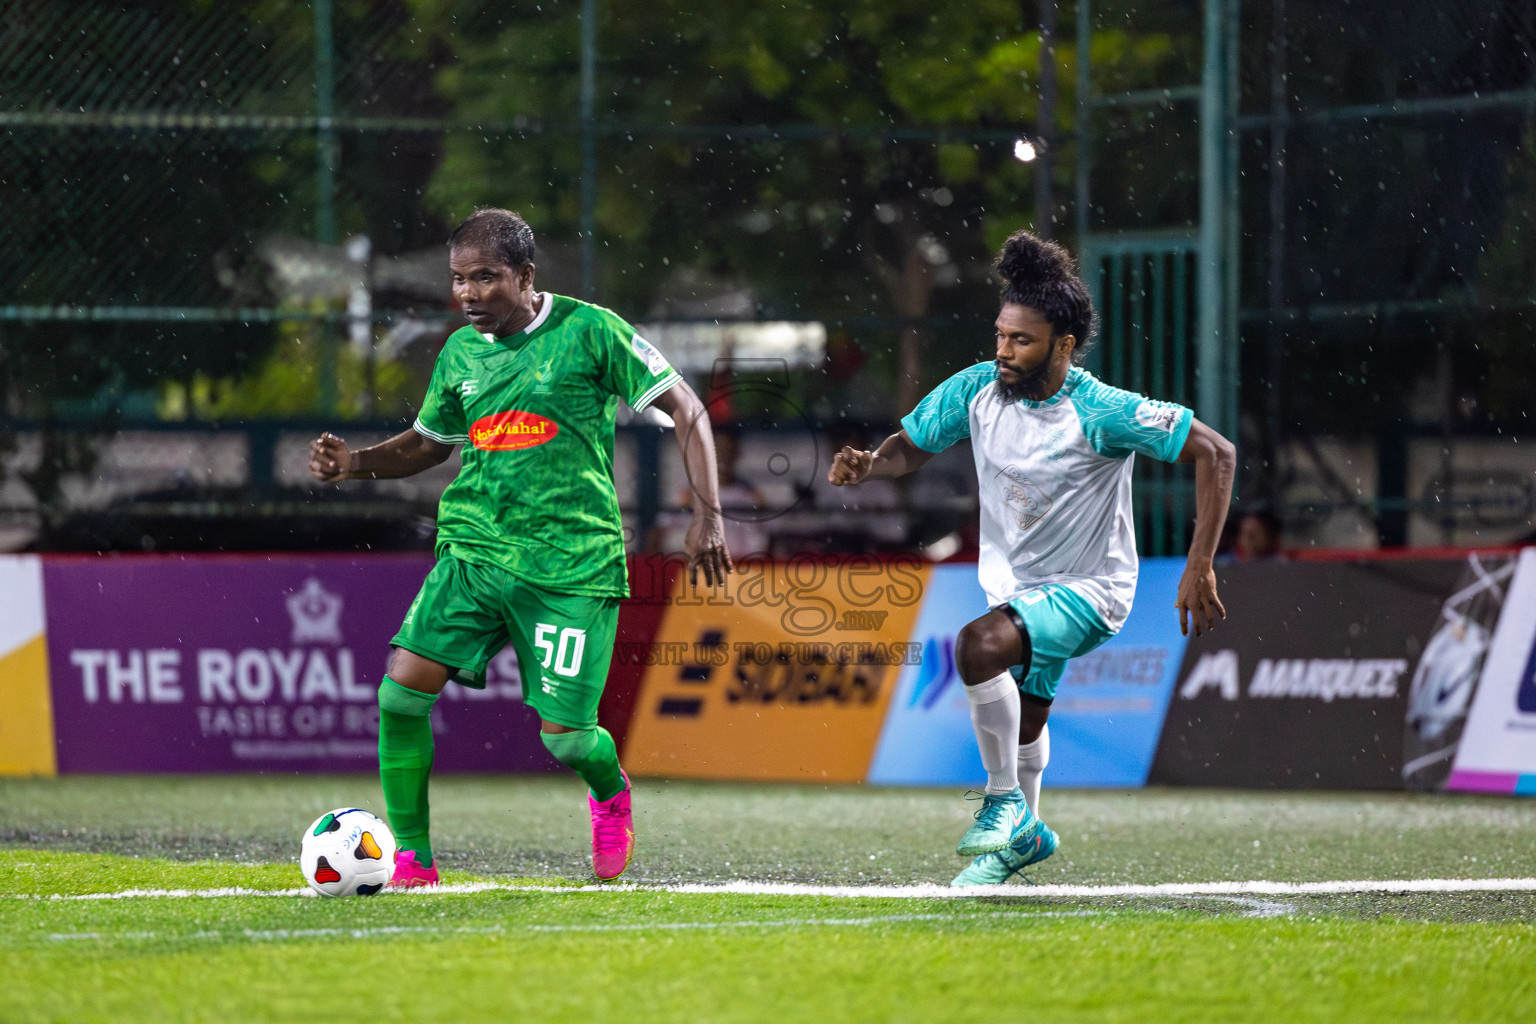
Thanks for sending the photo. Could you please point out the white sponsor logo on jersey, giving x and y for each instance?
(648, 353)
(468, 387)
(1158, 415)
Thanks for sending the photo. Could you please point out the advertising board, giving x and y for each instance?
(26, 709)
(784, 673)
(1306, 685)
(1497, 752)
(251, 663)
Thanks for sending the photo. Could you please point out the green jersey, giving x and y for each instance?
(535, 414)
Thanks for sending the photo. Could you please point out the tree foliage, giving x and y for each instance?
(844, 160)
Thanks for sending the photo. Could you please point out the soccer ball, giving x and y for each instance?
(347, 852)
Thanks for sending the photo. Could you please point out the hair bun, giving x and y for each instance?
(1029, 262)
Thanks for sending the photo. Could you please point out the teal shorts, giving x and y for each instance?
(466, 613)
(1062, 625)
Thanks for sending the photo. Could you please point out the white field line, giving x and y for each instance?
(925, 891)
(285, 934)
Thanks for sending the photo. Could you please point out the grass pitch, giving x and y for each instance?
(524, 934)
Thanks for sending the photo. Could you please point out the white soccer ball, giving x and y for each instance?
(347, 852)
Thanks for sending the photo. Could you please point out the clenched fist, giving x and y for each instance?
(849, 466)
(329, 458)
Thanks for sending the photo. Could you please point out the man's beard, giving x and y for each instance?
(1030, 384)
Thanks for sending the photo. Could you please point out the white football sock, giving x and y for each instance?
(995, 717)
(1033, 757)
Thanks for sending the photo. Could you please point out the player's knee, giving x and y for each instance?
(985, 647)
(572, 746)
(402, 700)
(414, 672)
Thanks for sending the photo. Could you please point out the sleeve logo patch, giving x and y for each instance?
(649, 355)
(511, 431)
(1158, 416)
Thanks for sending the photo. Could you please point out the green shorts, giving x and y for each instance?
(467, 613)
(1062, 625)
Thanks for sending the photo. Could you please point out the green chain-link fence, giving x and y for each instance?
(229, 215)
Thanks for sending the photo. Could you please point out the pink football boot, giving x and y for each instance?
(613, 834)
(409, 874)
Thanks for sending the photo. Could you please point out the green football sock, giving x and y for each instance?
(405, 762)
(591, 754)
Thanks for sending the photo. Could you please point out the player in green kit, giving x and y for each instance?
(530, 545)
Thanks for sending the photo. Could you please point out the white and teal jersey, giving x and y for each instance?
(1054, 479)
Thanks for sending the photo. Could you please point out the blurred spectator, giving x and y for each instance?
(1258, 535)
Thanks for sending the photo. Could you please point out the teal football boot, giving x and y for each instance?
(1031, 847)
(1000, 820)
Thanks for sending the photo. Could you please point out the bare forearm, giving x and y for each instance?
(697, 445)
(707, 550)
(1215, 464)
(696, 442)
(1213, 494)
(897, 456)
(405, 454)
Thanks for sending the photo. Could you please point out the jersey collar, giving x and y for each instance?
(547, 303)
(1074, 377)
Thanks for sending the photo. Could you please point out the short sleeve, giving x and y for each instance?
(1120, 423)
(944, 416)
(442, 410)
(633, 368)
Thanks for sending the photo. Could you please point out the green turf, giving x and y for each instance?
(537, 826)
(657, 956)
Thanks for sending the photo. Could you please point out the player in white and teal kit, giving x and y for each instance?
(530, 545)
(1054, 448)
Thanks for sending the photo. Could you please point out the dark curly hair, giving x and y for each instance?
(1044, 277)
(500, 231)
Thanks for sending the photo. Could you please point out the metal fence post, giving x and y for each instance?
(327, 155)
(1210, 330)
(588, 145)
